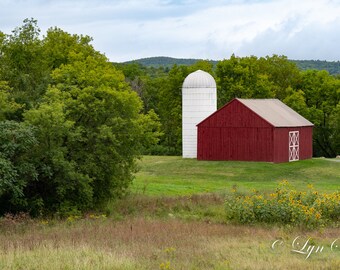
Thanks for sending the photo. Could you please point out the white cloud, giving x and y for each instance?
(124, 30)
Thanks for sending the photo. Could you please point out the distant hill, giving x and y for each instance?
(163, 61)
(332, 67)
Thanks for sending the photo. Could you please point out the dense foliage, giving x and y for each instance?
(71, 127)
(17, 169)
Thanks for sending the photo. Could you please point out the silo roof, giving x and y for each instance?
(199, 79)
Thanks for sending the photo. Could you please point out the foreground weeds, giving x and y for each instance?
(162, 242)
(141, 232)
(139, 243)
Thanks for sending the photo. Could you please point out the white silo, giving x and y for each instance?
(198, 102)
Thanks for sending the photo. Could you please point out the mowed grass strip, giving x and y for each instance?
(160, 244)
(175, 176)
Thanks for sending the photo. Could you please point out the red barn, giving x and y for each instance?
(255, 130)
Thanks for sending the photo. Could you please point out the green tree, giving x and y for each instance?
(151, 131)
(296, 100)
(106, 115)
(60, 186)
(252, 77)
(82, 134)
(335, 124)
(204, 65)
(22, 63)
(170, 109)
(242, 78)
(322, 95)
(8, 106)
(59, 47)
(283, 73)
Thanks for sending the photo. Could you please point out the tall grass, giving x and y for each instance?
(47, 256)
(140, 243)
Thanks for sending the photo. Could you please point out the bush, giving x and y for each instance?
(285, 206)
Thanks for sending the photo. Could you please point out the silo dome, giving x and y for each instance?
(199, 79)
(199, 100)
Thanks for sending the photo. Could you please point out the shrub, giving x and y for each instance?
(285, 206)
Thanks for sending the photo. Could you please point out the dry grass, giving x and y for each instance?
(141, 243)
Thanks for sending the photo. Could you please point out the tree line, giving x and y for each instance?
(73, 125)
(314, 94)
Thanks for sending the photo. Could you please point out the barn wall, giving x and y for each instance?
(245, 144)
(235, 133)
(281, 143)
(234, 114)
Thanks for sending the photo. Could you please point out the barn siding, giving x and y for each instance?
(244, 144)
(306, 142)
(235, 133)
(281, 143)
(234, 114)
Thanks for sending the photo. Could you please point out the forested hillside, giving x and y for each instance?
(166, 62)
(332, 67)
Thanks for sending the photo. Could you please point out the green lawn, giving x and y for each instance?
(175, 176)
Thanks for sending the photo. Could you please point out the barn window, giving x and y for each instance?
(293, 145)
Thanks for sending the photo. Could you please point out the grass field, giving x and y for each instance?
(174, 218)
(173, 176)
(140, 243)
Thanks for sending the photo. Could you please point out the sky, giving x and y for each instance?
(131, 29)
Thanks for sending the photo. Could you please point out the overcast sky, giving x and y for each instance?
(132, 29)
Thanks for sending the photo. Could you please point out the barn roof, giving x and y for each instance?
(275, 112)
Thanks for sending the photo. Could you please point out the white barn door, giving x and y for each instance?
(293, 145)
